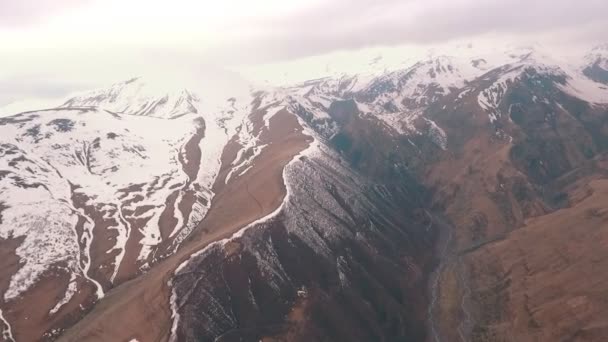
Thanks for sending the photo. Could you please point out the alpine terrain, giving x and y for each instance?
(459, 197)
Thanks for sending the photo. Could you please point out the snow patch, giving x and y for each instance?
(7, 333)
(437, 134)
(583, 88)
(69, 293)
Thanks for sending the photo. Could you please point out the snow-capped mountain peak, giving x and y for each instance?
(136, 97)
(596, 64)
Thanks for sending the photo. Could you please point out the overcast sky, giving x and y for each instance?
(51, 47)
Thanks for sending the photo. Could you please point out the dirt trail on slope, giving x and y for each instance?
(140, 308)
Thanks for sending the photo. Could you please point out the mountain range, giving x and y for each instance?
(457, 198)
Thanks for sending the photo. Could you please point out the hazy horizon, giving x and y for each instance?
(54, 48)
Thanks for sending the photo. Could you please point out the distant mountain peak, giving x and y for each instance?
(603, 48)
(138, 97)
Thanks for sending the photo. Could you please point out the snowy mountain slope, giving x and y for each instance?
(92, 198)
(596, 66)
(88, 163)
(25, 105)
(534, 67)
(136, 97)
(400, 97)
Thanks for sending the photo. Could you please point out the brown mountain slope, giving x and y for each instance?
(524, 196)
(545, 281)
(139, 309)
